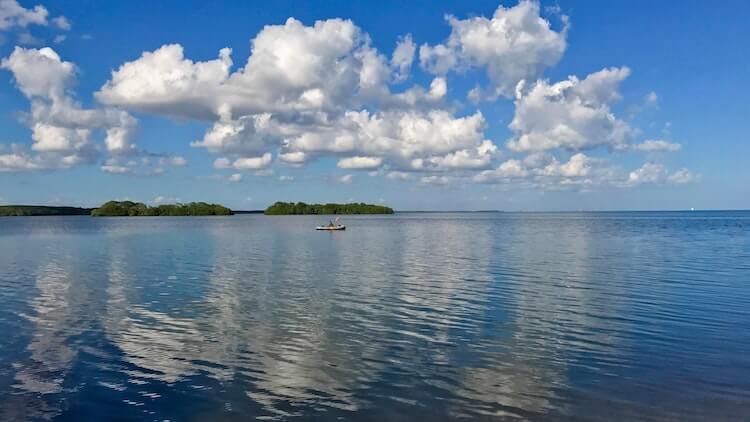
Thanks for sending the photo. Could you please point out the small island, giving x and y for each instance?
(139, 209)
(40, 210)
(301, 208)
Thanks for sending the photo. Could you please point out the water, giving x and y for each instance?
(591, 316)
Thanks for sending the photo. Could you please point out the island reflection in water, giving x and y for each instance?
(412, 316)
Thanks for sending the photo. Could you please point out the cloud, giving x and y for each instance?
(300, 85)
(297, 73)
(59, 139)
(19, 158)
(22, 160)
(14, 15)
(477, 157)
(236, 177)
(25, 38)
(655, 173)
(682, 176)
(62, 22)
(399, 176)
(403, 57)
(403, 139)
(57, 121)
(296, 157)
(142, 164)
(293, 68)
(164, 82)
(17, 161)
(580, 171)
(40, 73)
(515, 44)
(656, 145)
(508, 170)
(59, 128)
(438, 59)
(253, 163)
(648, 173)
(285, 178)
(307, 92)
(474, 95)
(435, 180)
(572, 114)
(59, 39)
(265, 172)
(579, 165)
(112, 166)
(245, 135)
(361, 163)
(175, 161)
(346, 179)
(222, 163)
(63, 133)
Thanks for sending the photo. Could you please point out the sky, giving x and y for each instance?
(420, 105)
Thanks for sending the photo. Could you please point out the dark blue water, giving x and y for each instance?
(496, 316)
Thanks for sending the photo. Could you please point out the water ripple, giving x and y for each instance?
(407, 317)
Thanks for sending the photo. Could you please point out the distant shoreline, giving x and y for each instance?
(41, 211)
(118, 209)
(66, 211)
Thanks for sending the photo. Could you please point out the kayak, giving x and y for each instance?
(339, 227)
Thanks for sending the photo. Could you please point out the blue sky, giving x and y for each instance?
(516, 106)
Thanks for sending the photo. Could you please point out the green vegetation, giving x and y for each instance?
(290, 208)
(137, 209)
(34, 210)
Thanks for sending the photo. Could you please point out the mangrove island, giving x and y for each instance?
(40, 210)
(139, 209)
(299, 208)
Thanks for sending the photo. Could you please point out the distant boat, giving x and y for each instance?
(339, 227)
(333, 226)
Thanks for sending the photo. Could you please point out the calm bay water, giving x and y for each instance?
(496, 316)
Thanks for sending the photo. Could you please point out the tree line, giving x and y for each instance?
(38, 210)
(139, 209)
(291, 208)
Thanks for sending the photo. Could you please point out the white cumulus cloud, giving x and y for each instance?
(366, 163)
(61, 130)
(403, 57)
(63, 133)
(515, 44)
(252, 163)
(325, 91)
(18, 161)
(656, 173)
(411, 140)
(62, 22)
(572, 114)
(13, 15)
